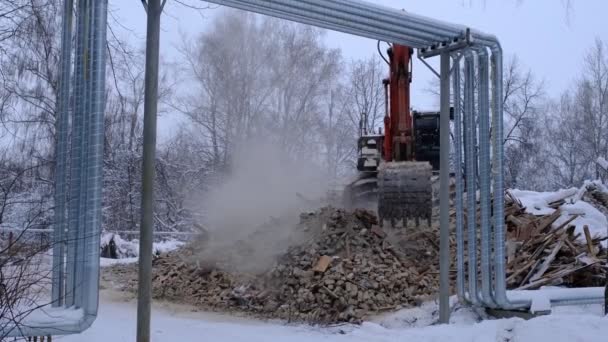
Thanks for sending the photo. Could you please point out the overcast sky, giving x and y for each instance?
(546, 37)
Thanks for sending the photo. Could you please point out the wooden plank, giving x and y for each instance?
(551, 277)
(521, 270)
(512, 248)
(322, 264)
(525, 280)
(545, 223)
(565, 224)
(573, 249)
(548, 260)
(590, 247)
(557, 204)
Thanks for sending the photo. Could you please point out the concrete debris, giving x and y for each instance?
(343, 267)
(346, 270)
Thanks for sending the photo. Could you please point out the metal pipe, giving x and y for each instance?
(424, 24)
(81, 319)
(344, 17)
(83, 230)
(80, 282)
(460, 273)
(320, 19)
(76, 155)
(499, 297)
(470, 157)
(148, 166)
(444, 196)
(500, 286)
(384, 19)
(484, 175)
(95, 159)
(61, 155)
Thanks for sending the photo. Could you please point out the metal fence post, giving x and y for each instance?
(154, 10)
(444, 196)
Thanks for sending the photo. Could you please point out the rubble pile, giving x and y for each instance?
(340, 266)
(354, 269)
(347, 269)
(539, 253)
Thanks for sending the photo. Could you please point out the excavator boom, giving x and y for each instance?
(395, 173)
(404, 183)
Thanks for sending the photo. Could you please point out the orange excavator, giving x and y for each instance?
(395, 168)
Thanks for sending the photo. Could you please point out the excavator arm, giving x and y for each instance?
(404, 184)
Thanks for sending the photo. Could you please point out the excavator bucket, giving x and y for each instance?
(405, 193)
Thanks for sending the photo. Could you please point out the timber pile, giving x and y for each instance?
(540, 254)
(348, 269)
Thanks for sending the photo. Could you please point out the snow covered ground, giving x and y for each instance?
(117, 322)
(117, 319)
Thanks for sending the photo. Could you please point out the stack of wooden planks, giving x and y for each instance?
(539, 253)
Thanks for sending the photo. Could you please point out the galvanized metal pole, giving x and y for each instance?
(154, 10)
(444, 205)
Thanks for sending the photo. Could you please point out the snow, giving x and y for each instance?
(166, 246)
(128, 251)
(49, 317)
(603, 163)
(106, 262)
(547, 298)
(590, 216)
(537, 203)
(117, 322)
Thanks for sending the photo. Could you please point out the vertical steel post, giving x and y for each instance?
(154, 9)
(444, 196)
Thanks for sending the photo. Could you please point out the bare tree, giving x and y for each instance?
(338, 133)
(23, 272)
(568, 163)
(523, 103)
(591, 102)
(257, 78)
(578, 124)
(367, 92)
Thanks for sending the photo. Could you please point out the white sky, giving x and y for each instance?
(546, 37)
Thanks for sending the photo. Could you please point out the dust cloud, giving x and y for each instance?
(252, 217)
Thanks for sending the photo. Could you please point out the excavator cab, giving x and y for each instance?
(369, 151)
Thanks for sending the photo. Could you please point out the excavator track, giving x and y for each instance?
(405, 193)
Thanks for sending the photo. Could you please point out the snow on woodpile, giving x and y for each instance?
(586, 204)
(557, 238)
